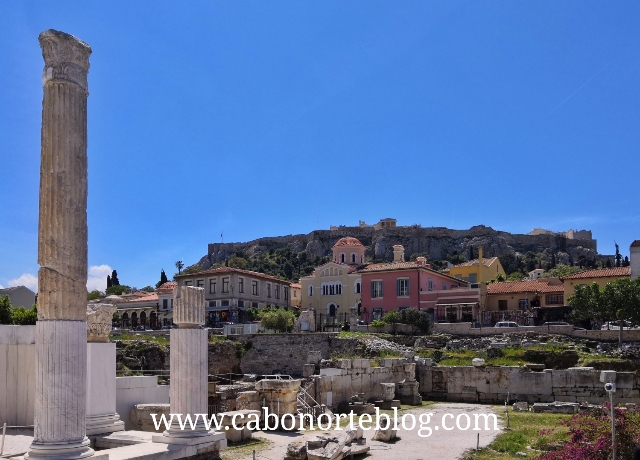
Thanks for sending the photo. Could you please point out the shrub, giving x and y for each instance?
(377, 323)
(391, 317)
(277, 319)
(418, 319)
(23, 317)
(591, 436)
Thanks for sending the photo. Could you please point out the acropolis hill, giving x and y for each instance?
(435, 242)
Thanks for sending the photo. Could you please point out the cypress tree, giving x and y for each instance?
(109, 283)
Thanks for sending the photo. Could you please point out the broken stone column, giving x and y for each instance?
(188, 393)
(101, 415)
(61, 330)
(388, 392)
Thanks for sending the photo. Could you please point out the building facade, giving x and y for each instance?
(335, 287)
(478, 270)
(634, 255)
(399, 285)
(599, 276)
(230, 292)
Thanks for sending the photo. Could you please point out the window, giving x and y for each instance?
(172, 304)
(376, 289)
(241, 303)
(430, 284)
(212, 286)
(376, 314)
(473, 277)
(502, 304)
(444, 286)
(200, 283)
(295, 294)
(269, 290)
(358, 287)
(554, 299)
(342, 258)
(254, 305)
(188, 283)
(254, 288)
(277, 291)
(212, 303)
(240, 285)
(225, 285)
(165, 304)
(286, 293)
(353, 258)
(310, 291)
(402, 287)
(224, 303)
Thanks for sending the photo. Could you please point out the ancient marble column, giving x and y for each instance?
(188, 393)
(61, 330)
(101, 415)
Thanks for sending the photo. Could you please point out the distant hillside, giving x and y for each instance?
(275, 255)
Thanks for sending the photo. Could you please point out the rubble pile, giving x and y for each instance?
(329, 446)
(374, 345)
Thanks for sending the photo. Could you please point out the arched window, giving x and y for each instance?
(339, 288)
(134, 319)
(353, 258)
(331, 309)
(358, 287)
(342, 258)
(143, 319)
(310, 291)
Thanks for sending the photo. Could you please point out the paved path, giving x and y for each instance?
(441, 444)
(17, 441)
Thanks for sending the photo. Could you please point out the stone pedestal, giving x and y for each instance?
(388, 393)
(408, 391)
(101, 389)
(189, 389)
(61, 379)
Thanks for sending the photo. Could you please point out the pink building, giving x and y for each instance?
(399, 285)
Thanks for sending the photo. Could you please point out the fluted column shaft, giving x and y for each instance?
(61, 330)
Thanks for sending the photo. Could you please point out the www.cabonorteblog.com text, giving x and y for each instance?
(426, 422)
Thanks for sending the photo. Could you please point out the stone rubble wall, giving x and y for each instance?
(492, 384)
(466, 329)
(357, 376)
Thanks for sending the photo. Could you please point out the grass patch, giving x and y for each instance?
(525, 431)
(243, 449)
(160, 339)
(351, 335)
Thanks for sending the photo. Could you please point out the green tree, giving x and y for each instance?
(617, 301)
(179, 265)
(148, 289)
(117, 290)
(23, 317)
(277, 319)
(95, 294)
(5, 310)
(516, 276)
(391, 317)
(163, 279)
(114, 278)
(418, 320)
(237, 262)
(560, 271)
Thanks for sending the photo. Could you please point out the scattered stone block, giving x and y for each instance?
(477, 362)
(385, 435)
(141, 416)
(556, 407)
(521, 406)
(308, 370)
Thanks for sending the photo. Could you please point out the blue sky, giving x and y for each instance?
(273, 118)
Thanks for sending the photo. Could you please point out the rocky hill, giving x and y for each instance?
(436, 243)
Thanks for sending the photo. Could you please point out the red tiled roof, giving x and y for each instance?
(152, 297)
(635, 244)
(348, 241)
(167, 288)
(296, 286)
(537, 286)
(220, 270)
(600, 273)
(473, 263)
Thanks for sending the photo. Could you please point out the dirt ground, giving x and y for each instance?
(441, 444)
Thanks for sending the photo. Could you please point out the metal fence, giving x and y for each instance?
(328, 323)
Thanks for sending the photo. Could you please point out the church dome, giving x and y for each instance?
(348, 241)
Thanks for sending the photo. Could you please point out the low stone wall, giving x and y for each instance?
(131, 391)
(17, 375)
(466, 329)
(356, 376)
(287, 353)
(404, 329)
(492, 384)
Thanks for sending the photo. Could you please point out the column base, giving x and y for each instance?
(60, 451)
(103, 424)
(191, 439)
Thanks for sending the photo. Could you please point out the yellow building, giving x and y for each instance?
(335, 287)
(601, 276)
(521, 295)
(296, 295)
(478, 270)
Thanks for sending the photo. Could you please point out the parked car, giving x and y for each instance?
(506, 324)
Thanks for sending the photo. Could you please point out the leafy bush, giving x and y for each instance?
(391, 317)
(5, 310)
(591, 436)
(94, 295)
(418, 319)
(23, 317)
(117, 290)
(377, 323)
(277, 319)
